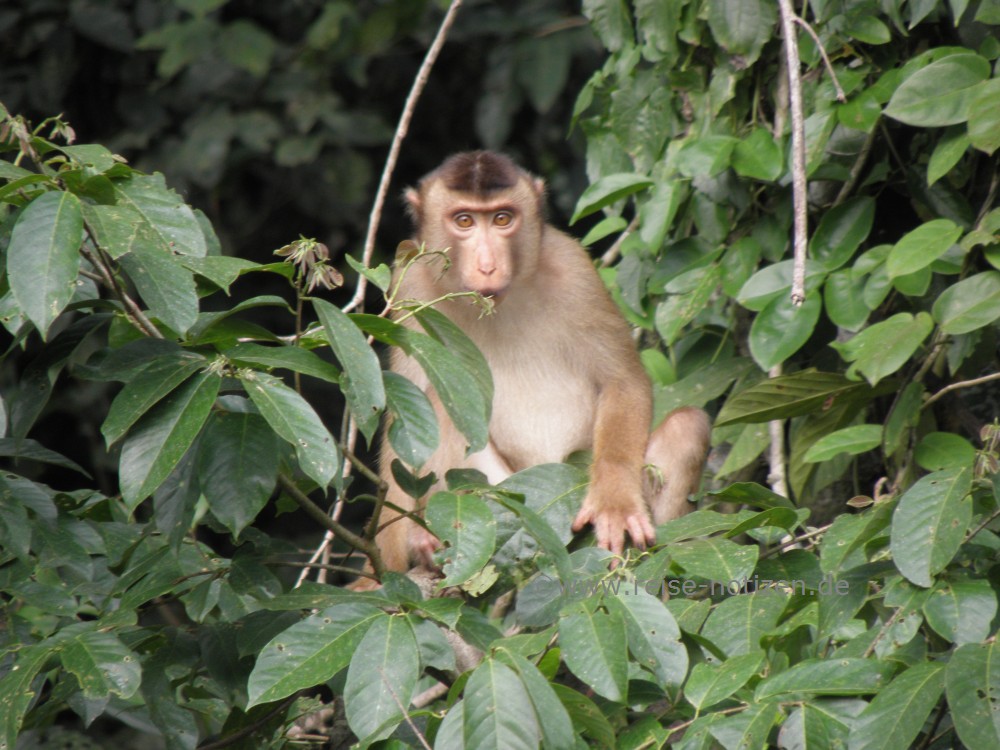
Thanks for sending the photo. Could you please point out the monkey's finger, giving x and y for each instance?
(638, 531)
(582, 519)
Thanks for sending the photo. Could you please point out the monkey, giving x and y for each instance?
(566, 373)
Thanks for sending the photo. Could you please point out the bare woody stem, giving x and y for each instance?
(317, 514)
(357, 301)
(799, 194)
(135, 313)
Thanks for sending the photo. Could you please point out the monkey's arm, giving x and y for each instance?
(614, 502)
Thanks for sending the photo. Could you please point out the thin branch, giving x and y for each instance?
(406, 714)
(859, 165)
(390, 163)
(135, 313)
(799, 194)
(991, 195)
(776, 453)
(841, 96)
(961, 384)
(615, 250)
(983, 525)
(321, 517)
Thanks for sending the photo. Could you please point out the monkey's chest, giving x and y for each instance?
(542, 411)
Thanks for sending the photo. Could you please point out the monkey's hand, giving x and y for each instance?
(423, 545)
(613, 516)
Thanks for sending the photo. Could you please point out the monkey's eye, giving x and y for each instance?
(464, 221)
(503, 219)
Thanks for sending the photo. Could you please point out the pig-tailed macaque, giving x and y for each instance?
(566, 373)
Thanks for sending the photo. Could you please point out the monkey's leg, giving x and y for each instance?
(677, 449)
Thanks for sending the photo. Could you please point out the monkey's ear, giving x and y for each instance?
(538, 185)
(412, 197)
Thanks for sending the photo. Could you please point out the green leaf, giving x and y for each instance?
(467, 527)
(606, 226)
(145, 389)
(102, 665)
(705, 156)
(458, 342)
(759, 157)
(361, 380)
(738, 623)
(383, 673)
(498, 711)
(43, 257)
(742, 27)
(944, 450)
(653, 634)
(841, 232)
(247, 46)
(607, 190)
(897, 714)
(611, 22)
(586, 715)
(553, 719)
(962, 611)
(718, 560)
(922, 246)
(594, 647)
(984, 116)
(296, 422)
(953, 144)
(774, 281)
(868, 29)
(850, 440)
(170, 223)
(293, 358)
(710, 684)
(843, 298)
(940, 93)
(753, 494)
(165, 285)
(16, 692)
(310, 652)
(162, 436)
(237, 467)
(833, 676)
(380, 276)
(91, 155)
(788, 396)
(929, 524)
(972, 683)
(413, 431)
(221, 270)
(881, 349)
(970, 304)
(782, 328)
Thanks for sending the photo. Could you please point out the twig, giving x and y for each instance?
(250, 728)
(321, 517)
(776, 454)
(135, 313)
(799, 194)
(961, 384)
(612, 254)
(983, 525)
(841, 96)
(859, 164)
(795, 540)
(357, 301)
(406, 713)
(991, 195)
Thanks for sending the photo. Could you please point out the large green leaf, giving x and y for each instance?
(171, 224)
(293, 358)
(146, 389)
(310, 652)
(237, 467)
(162, 436)
(362, 377)
(972, 682)
(897, 714)
(102, 664)
(782, 328)
(738, 623)
(970, 304)
(850, 440)
(940, 93)
(383, 673)
(984, 116)
(759, 157)
(594, 647)
(709, 684)
(553, 719)
(608, 190)
(296, 422)
(841, 232)
(43, 257)
(742, 27)
(16, 692)
(790, 396)
(165, 285)
(962, 611)
(841, 676)
(467, 527)
(930, 523)
(719, 560)
(498, 710)
(881, 349)
(920, 247)
(413, 431)
(653, 634)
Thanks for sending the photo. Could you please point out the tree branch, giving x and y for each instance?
(799, 194)
(357, 301)
(961, 384)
